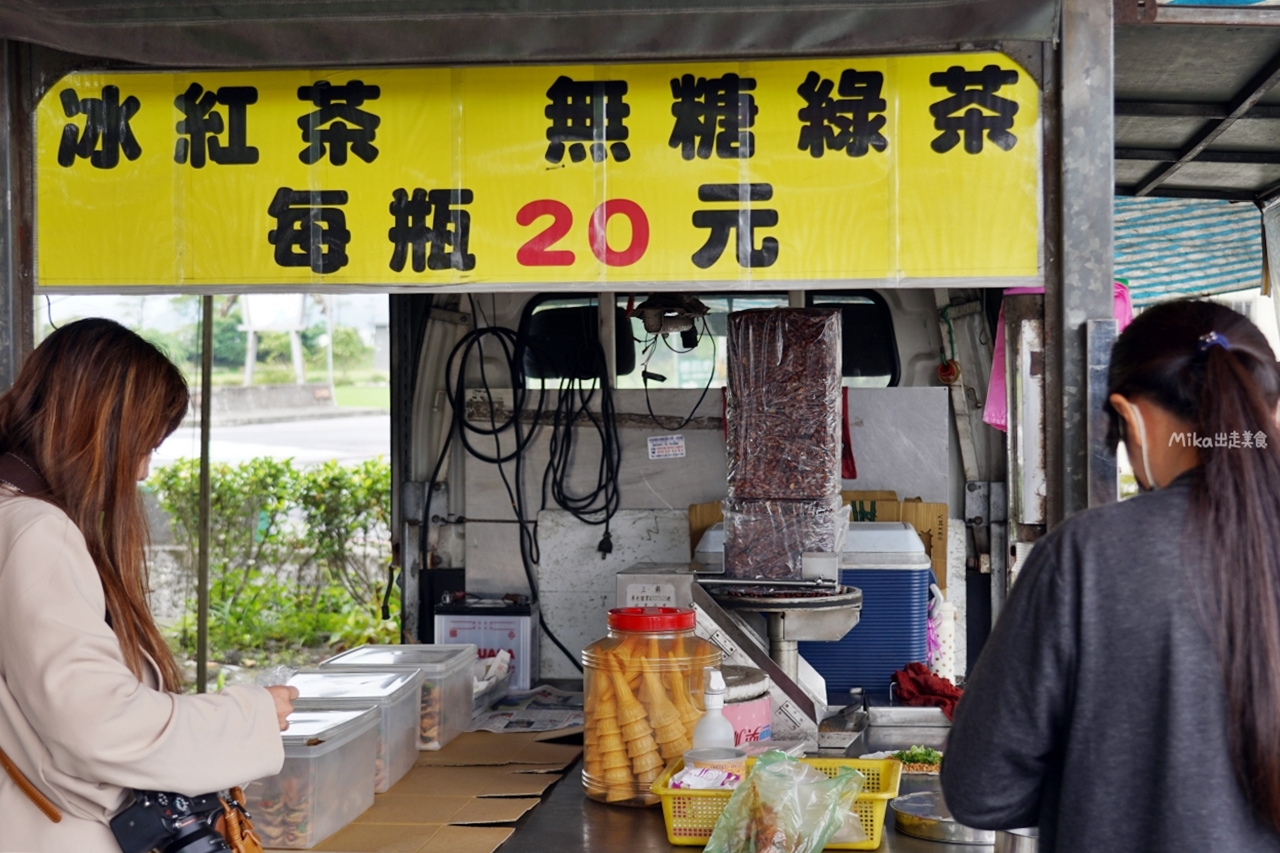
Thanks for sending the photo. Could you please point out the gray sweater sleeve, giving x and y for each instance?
(1008, 727)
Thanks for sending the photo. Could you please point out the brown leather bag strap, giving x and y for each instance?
(22, 475)
(33, 793)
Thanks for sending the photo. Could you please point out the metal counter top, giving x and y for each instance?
(568, 822)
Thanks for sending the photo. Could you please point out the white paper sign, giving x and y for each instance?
(651, 595)
(666, 447)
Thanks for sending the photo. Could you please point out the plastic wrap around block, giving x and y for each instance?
(764, 540)
(784, 414)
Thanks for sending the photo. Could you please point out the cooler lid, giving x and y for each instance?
(883, 537)
(433, 660)
(328, 728)
(336, 685)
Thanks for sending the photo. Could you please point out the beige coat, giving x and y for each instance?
(73, 717)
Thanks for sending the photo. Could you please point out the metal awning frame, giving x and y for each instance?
(1076, 71)
(1219, 117)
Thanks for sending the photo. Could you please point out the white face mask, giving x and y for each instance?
(1142, 437)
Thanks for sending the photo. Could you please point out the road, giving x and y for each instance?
(346, 439)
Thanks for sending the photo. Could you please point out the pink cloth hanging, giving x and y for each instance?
(996, 411)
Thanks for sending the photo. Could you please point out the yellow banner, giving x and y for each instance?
(870, 170)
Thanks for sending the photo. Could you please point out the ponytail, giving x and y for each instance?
(1210, 367)
(1237, 505)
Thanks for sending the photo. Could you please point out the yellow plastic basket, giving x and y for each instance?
(692, 814)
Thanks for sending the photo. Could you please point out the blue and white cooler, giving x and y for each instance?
(887, 561)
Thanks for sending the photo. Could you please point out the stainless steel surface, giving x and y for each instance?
(924, 815)
(904, 715)
(847, 598)
(840, 730)
(803, 583)
(1017, 841)
(795, 712)
(794, 618)
(567, 822)
(785, 653)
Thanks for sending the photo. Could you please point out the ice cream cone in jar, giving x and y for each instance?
(638, 705)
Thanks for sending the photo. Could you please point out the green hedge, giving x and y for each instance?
(298, 557)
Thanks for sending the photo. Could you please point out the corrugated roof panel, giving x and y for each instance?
(322, 33)
(1186, 247)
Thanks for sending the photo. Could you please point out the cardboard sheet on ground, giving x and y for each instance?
(471, 782)
(460, 811)
(481, 749)
(410, 838)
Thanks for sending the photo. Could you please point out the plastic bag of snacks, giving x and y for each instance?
(787, 806)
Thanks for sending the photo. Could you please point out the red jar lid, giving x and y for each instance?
(652, 619)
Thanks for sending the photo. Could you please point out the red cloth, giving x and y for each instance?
(919, 687)
(848, 465)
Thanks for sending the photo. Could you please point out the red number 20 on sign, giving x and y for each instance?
(538, 251)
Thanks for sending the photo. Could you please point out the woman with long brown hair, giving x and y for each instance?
(1129, 696)
(90, 703)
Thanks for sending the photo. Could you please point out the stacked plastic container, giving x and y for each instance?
(326, 781)
(445, 705)
(396, 695)
(784, 422)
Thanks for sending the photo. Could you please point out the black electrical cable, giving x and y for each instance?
(644, 376)
(600, 503)
(469, 346)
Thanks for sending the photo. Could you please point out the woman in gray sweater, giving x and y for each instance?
(1128, 699)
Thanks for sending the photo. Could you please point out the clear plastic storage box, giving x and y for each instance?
(326, 782)
(446, 685)
(394, 694)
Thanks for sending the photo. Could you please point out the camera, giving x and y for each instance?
(169, 823)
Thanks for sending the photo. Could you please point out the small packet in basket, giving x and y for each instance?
(787, 806)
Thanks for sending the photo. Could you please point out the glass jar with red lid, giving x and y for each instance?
(643, 696)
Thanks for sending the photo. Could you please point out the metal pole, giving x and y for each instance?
(1087, 76)
(16, 317)
(329, 308)
(202, 562)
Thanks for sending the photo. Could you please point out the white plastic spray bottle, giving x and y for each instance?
(713, 730)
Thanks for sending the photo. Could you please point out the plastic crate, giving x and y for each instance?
(691, 814)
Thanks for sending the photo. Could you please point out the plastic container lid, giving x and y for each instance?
(328, 730)
(434, 660)
(652, 619)
(336, 685)
(744, 683)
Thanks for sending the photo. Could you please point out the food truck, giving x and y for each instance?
(572, 207)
